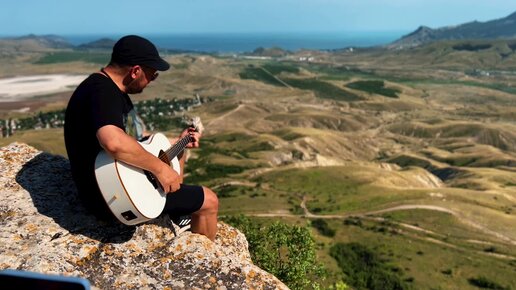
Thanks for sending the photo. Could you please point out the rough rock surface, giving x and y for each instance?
(45, 229)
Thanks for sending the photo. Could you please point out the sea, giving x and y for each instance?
(248, 42)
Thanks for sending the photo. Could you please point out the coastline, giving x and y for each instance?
(247, 42)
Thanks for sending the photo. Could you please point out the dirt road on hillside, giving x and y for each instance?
(461, 218)
(221, 117)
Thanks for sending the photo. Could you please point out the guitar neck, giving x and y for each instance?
(177, 148)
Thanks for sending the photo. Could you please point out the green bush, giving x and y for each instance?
(323, 228)
(364, 269)
(286, 251)
(485, 283)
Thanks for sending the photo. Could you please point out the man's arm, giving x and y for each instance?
(125, 148)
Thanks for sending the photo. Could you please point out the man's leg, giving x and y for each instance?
(204, 221)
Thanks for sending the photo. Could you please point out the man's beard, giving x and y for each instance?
(134, 87)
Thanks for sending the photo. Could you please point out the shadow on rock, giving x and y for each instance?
(48, 180)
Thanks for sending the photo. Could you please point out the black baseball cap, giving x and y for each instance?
(136, 50)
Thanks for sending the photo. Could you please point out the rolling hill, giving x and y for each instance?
(494, 29)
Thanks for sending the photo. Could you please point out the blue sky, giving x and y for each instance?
(205, 16)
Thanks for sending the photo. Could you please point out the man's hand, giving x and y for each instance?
(196, 136)
(125, 148)
(168, 178)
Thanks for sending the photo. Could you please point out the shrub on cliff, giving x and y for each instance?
(286, 251)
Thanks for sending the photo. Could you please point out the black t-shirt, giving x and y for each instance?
(96, 102)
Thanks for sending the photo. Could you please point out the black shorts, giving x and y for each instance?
(185, 201)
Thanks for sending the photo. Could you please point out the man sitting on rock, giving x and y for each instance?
(100, 116)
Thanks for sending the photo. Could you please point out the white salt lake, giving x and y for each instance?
(25, 87)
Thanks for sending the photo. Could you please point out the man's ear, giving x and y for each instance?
(135, 71)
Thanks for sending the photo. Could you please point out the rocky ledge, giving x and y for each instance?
(45, 229)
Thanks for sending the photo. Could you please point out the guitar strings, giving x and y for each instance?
(180, 145)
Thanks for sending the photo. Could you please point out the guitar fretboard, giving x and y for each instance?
(178, 147)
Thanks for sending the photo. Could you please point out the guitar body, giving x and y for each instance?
(132, 194)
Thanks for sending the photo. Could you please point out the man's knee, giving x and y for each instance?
(211, 201)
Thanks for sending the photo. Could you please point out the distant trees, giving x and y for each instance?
(472, 47)
(42, 120)
(374, 87)
(158, 114)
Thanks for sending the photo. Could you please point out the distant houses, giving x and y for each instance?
(8, 127)
(253, 57)
(306, 58)
(156, 114)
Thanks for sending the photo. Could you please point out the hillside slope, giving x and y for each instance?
(498, 28)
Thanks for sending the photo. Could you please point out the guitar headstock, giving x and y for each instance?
(195, 122)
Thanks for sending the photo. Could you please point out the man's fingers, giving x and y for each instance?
(174, 187)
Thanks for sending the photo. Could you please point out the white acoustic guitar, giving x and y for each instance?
(132, 194)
